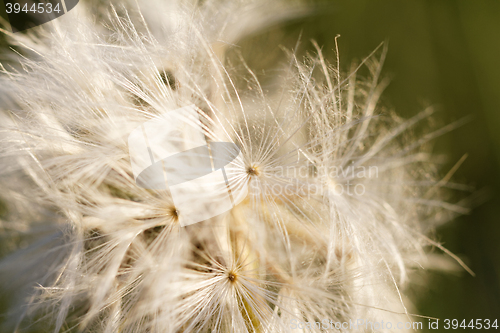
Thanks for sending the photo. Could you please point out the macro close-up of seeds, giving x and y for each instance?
(249, 166)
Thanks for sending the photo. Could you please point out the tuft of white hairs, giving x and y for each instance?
(342, 193)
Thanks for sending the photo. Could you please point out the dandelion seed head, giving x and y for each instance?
(340, 195)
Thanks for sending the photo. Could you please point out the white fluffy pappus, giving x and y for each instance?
(341, 193)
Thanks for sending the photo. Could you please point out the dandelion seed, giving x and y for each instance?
(312, 240)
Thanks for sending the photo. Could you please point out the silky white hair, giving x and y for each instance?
(101, 254)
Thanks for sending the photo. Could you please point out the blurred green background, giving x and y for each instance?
(444, 53)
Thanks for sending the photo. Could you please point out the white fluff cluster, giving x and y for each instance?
(340, 198)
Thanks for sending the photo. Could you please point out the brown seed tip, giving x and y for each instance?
(231, 276)
(253, 170)
(174, 213)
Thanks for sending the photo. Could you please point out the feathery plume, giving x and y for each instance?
(341, 194)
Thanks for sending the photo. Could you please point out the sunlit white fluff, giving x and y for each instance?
(105, 255)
